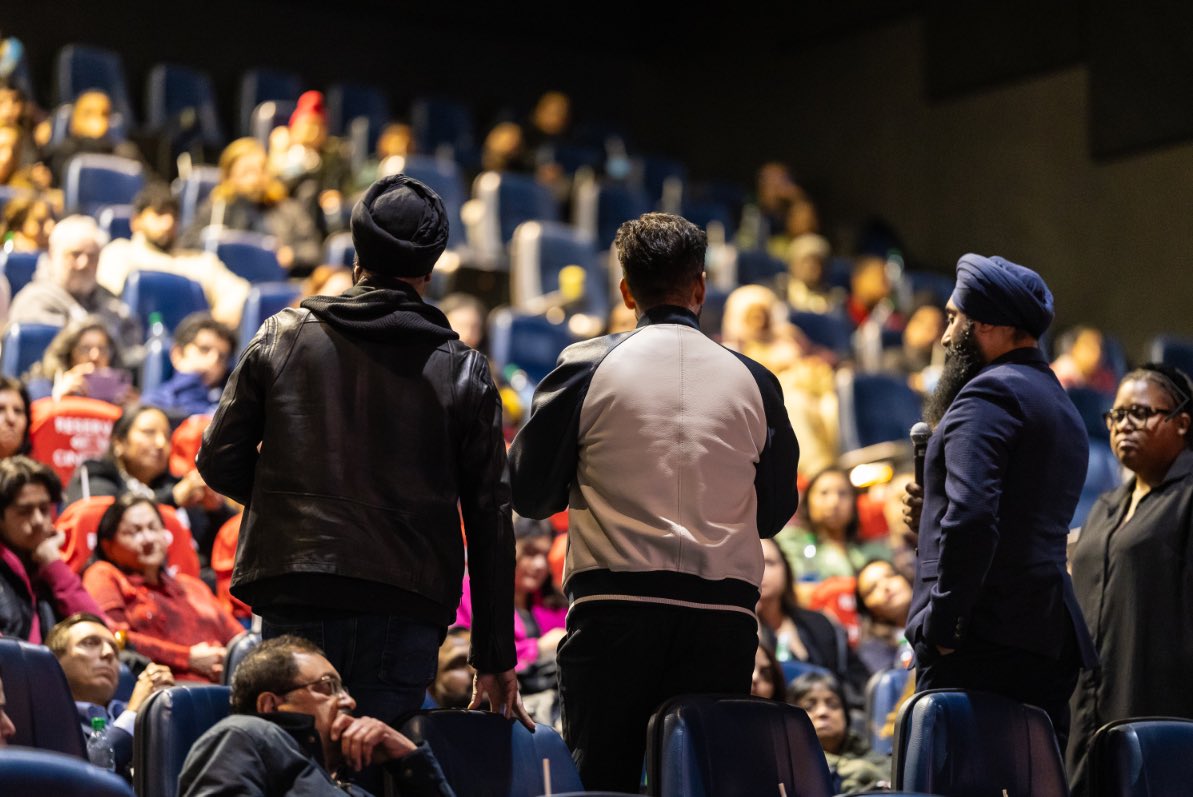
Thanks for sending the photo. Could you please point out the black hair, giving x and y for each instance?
(787, 602)
(851, 528)
(56, 639)
(1174, 382)
(17, 386)
(125, 422)
(269, 667)
(773, 672)
(18, 471)
(155, 196)
(189, 328)
(808, 681)
(661, 255)
(109, 522)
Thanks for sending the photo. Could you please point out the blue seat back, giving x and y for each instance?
(656, 171)
(193, 190)
(338, 249)
(60, 125)
(437, 121)
(939, 286)
(1103, 474)
(703, 211)
(572, 157)
(707, 746)
(794, 668)
(1174, 351)
(1143, 757)
(24, 344)
(758, 266)
(444, 178)
(264, 300)
(167, 726)
(875, 408)
(81, 67)
(521, 198)
(830, 330)
(882, 695)
(247, 254)
(173, 296)
(541, 249)
(156, 368)
(126, 684)
(348, 101)
(38, 773)
(1091, 404)
(528, 342)
(116, 221)
(39, 701)
(238, 647)
(951, 742)
(260, 85)
(18, 268)
(94, 181)
(484, 753)
(617, 204)
(172, 89)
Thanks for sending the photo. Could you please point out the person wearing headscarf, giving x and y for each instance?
(993, 608)
(357, 430)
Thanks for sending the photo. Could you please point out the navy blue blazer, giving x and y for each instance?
(1002, 476)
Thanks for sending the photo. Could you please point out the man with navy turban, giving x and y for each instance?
(993, 607)
(357, 430)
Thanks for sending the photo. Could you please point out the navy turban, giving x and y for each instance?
(399, 227)
(996, 291)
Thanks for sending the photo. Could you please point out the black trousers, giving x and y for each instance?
(1030, 678)
(620, 660)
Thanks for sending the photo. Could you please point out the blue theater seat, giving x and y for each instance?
(1144, 757)
(541, 249)
(709, 746)
(833, 331)
(758, 266)
(173, 296)
(530, 343)
(264, 300)
(38, 773)
(168, 724)
(172, 90)
(438, 122)
(349, 101)
(116, 221)
(952, 742)
(875, 408)
(1174, 351)
(250, 255)
(338, 250)
(39, 701)
(507, 200)
(794, 668)
(24, 344)
(80, 68)
(239, 646)
(95, 181)
(1104, 473)
(261, 85)
(484, 753)
(882, 695)
(192, 190)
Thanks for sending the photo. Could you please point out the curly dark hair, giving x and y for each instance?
(661, 254)
(1173, 381)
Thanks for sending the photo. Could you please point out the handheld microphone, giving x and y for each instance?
(920, 434)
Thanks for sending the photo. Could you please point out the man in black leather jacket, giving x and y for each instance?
(377, 430)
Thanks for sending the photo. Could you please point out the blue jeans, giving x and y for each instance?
(386, 662)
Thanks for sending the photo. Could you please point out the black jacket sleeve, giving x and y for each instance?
(775, 473)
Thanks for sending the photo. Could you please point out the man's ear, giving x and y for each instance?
(267, 702)
(626, 296)
(700, 290)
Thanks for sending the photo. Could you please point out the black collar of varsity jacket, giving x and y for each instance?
(669, 314)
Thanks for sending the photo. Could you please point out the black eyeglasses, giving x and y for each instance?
(328, 685)
(1138, 414)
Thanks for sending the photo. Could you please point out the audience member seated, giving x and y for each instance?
(794, 632)
(16, 109)
(853, 767)
(200, 355)
(82, 360)
(539, 612)
(172, 619)
(394, 145)
(921, 355)
(767, 680)
(291, 732)
(1082, 363)
(28, 222)
(31, 571)
(90, 132)
(7, 729)
(824, 543)
(504, 150)
(247, 198)
(14, 418)
(870, 293)
(90, 657)
(137, 462)
(807, 290)
(775, 193)
(310, 163)
(152, 248)
(755, 324)
(452, 687)
(325, 281)
(548, 127)
(883, 597)
(621, 319)
(34, 178)
(466, 314)
(67, 291)
(800, 219)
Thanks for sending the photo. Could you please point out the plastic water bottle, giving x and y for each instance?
(157, 330)
(99, 752)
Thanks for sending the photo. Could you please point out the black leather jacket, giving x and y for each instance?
(378, 429)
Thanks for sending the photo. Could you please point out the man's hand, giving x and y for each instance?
(153, 678)
(47, 551)
(365, 741)
(208, 659)
(913, 504)
(190, 490)
(501, 689)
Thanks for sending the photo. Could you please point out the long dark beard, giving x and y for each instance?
(962, 362)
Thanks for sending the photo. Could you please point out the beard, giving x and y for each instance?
(962, 362)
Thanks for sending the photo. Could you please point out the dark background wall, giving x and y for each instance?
(1055, 133)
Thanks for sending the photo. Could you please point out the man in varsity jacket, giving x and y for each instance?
(675, 456)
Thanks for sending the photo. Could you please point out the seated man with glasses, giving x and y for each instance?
(291, 732)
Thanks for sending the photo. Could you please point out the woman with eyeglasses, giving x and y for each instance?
(1133, 565)
(82, 360)
(173, 619)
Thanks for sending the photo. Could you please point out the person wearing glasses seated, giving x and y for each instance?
(1131, 565)
(291, 732)
(172, 619)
